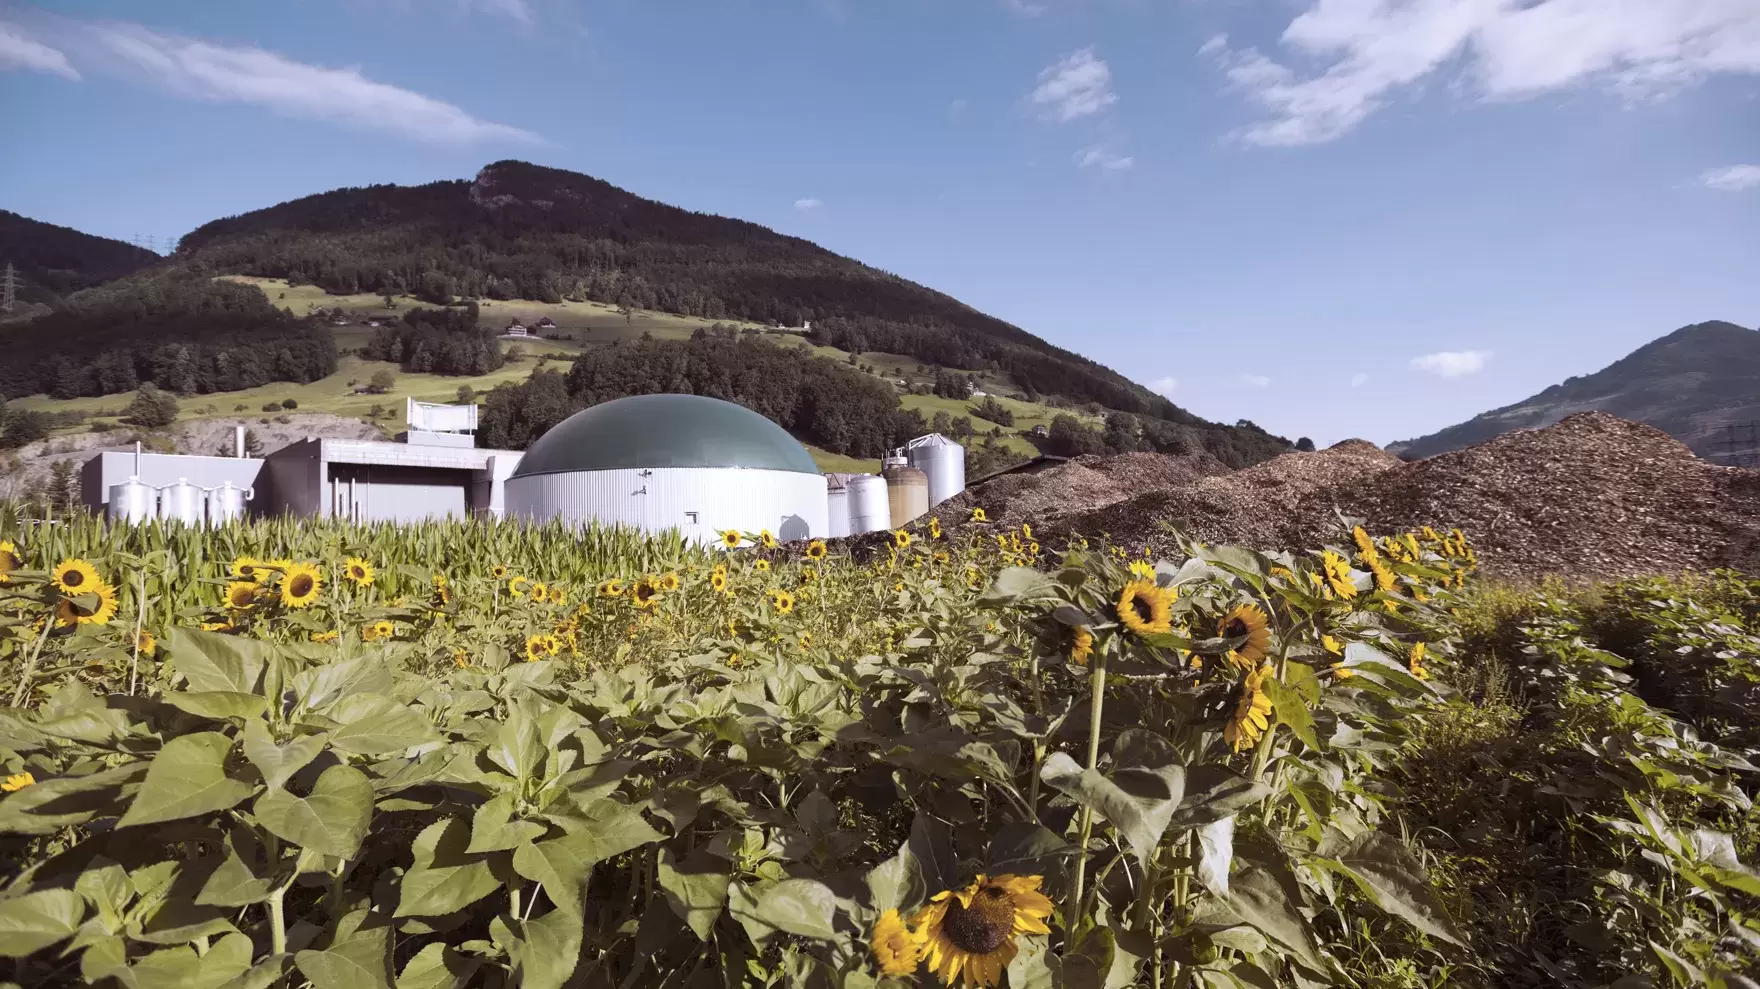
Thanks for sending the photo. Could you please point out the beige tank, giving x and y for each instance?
(907, 492)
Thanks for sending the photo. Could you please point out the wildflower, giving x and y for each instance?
(782, 601)
(9, 560)
(1282, 573)
(894, 945)
(1338, 574)
(1416, 663)
(75, 576)
(1145, 608)
(498, 571)
(249, 568)
(762, 566)
(1081, 645)
(718, 582)
(1252, 712)
(461, 659)
(934, 527)
(731, 538)
(816, 550)
(299, 585)
(979, 516)
(1142, 571)
(539, 593)
(766, 539)
(359, 571)
(146, 643)
(1412, 547)
(1246, 619)
(901, 538)
(241, 594)
(535, 648)
(1430, 535)
(969, 934)
(974, 580)
(805, 640)
(17, 782)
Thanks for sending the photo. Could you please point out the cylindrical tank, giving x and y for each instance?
(181, 502)
(907, 491)
(869, 509)
(132, 502)
(943, 460)
(836, 506)
(226, 503)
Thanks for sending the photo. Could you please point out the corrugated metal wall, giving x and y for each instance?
(698, 501)
(377, 493)
(158, 470)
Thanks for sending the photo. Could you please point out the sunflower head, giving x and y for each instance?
(766, 539)
(558, 596)
(18, 781)
(498, 571)
(539, 593)
(646, 593)
(216, 626)
(611, 589)
(718, 582)
(896, 947)
(731, 538)
(359, 571)
(1360, 536)
(762, 566)
(75, 576)
(518, 585)
(782, 601)
(241, 594)
(1383, 574)
(1338, 574)
(330, 636)
(979, 516)
(1142, 570)
(535, 648)
(249, 568)
(969, 935)
(1416, 663)
(1252, 711)
(934, 527)
(300, 584)
(816, 550)
(146, 643)
(1145, 608)
(901, 538)
(669, 582)
(9, 560)
(1081, 645)
(1248, 620)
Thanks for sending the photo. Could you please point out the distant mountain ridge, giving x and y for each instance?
(52, 261)
(1691, 384)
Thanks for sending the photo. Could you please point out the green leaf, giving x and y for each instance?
(550, 949)
(696, 889)
(278, 763)
(182, 968)
(341, 969)
(1392, 879)
(332, 820)
(1018, 585)
(1213, 793)
(518, 748)
(218, 705)
(493, 830)
(264, 974)
(186, 779)
(1292, 710)
(444, 877)
(1216, 854)
(1256, 898)
(210, 661)
(36, 920)
(233, 884)
(373, 724)
(799, 906)
(438, 966)
(897, 883)
(1141, 816)
(1027, 848)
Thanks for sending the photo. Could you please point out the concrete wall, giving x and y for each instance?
(378, 493)
(698, 501)
(160, 469)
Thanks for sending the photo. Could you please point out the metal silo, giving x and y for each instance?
(836, 505)
(132, 502)
(226, 503)
(658, 462)
(943, 460)
(907, 491)
(181, 502)
(869, 509)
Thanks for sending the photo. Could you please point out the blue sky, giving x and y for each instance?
(1333, 217)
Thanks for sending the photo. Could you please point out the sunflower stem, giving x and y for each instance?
(1095, 706)
(30, 666)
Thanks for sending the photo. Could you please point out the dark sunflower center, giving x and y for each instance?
(357, 572)
(301, 585)
(1234, 627)
(74, 578)
(1144, 611)
(241, 597)
(984, 926)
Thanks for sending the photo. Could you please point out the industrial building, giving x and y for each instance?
(699, 465)
(655, 462)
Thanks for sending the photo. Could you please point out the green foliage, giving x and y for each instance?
(151, 408)
(438, 341)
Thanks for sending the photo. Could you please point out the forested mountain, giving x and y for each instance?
(52, 261)
(523, 231)
(1691, 384)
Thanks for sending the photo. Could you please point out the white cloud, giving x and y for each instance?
(20, 51)
(1256, 380)
(1104, 159)
(518, 10)
(1452, 363)
(1733, 178)
(245, 74)
(1361, 54)
(1359, 379)
(808, 205)
(1025, 8)
(1078, 85)
(1164, 386)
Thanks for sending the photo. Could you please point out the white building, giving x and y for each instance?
(686, 462)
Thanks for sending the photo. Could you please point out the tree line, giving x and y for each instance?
(438, 341)
(185, 334)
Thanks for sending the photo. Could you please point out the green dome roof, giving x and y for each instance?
(665, 431)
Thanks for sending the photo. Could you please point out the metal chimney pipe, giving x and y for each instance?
(238, 441)
(137, 459)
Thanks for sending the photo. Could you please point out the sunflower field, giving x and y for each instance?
(304, 753)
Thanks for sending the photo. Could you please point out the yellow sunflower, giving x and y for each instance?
(979, 516)
(518, 585)
(901, 538)
(1252, 712)
(669, 582)
(1431, 536)
(9, 560)
(1246, 619)
(241, 594)
(968, 935)
(1145, 608)
(498, 571)
(300, 584)
(1081, 645)
(75, 576)
(782, 601)
(18, 781)
(718, 582)
(934, 528)
(940, 557)
(330, 636)
(731, 538)
(558, 596)
(1142, 571)
(766, 539)
(1416, 664)
(816, 550)
(1412, 548)
(646, 593)
(1338, 574)
(249, 568)
(535, 648)
(611, 589)
(804, 640)
(894, 945)
(540, 593)
(216, 626)
(762, 566)
(1365, 545)
(146, 643)
(359, 571)
(1384, 579)
(1026, 530)
(69, 614)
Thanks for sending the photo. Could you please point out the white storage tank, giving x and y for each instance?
(226, 503)
(943, 460)
(869, 508)
(836, 505)
(907, 490)
(660, 462)
(182, 502)
(132, 502)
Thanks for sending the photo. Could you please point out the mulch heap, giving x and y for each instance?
(1592, 496)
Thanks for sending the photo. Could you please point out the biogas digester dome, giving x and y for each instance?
(657, 462)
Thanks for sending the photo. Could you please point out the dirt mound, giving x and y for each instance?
(1593, 495)
(1084, 484)
(1137, 472)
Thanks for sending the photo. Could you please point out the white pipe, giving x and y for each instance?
(137, 459)
(238, 440)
